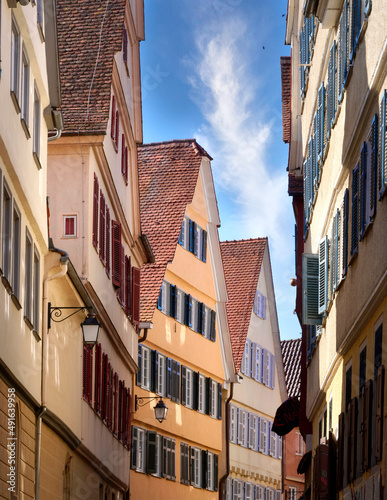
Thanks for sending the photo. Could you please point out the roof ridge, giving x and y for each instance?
(188, 142)
(243, 240)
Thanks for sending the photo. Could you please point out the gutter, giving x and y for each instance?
(225, 476)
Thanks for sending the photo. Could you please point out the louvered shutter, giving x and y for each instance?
(200, 309)
(192, 466)
(120, 409)
(306, 192)
(136, 286)
(102, 226)
(128, 418)
(355, 211)
(116, 254)
(113, 118)
(363, 223)
(125, 46)
(213, 326)
(382, 164)
(172, 301)
(335, 252)
(310, 280)
(191, 236)
(302, 61)
(374, 166)
(219, 396)
(95, 212)
(356, 25)
(343, 50)
(107, 261)
(366, 432)
(345, 234)
(117, 131)
(195, 399)
(90, 376)
(151, 452)
(187, 310)
(123, 145)
(183, 385)
(134, 448)
(169, 378)
(153, 371)
(204, 468)
(109, 398)
(85, 369)
(331, 90)
(216, 472)
(97, 380)
(340, 453)
(115, 397)
(124, 413)
(139, 371)
(126, 164)
(128, 285)
(208, 397)
(204, 246)
(321, 124)
(379, 413)
(104, 386)
(323, 275)
(352, 448)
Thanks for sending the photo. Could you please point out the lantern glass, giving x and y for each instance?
(160, 411)
(90, 329)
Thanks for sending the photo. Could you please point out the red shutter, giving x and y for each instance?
(123, 154)
(117, 133)
(116, 254)
(126, 164)
(97, 381)
(102, 227)
(108, 399)
(104, 386)
(127, 287)
(122, 275)
(125, 46)
(95, 212)
(135, 295)
(120, 409)
(379, 413)
(124, 413)
(90, 375)
(129, 419)
(85, 367)
(113, 118)
(111, 393)
(115, 416)
(107, 262)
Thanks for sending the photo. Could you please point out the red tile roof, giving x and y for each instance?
(286, 79)
(242, 262)
(291, 355)
(79, 27)
(168, 174)
(295, 185)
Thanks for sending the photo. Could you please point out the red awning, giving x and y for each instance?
(287, 417)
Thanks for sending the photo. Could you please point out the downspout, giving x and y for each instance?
(43, 408)
(225, 476)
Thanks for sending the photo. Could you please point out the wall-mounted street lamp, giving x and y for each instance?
(90, 327)
(160, 408)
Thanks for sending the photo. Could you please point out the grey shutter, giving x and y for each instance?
(382, 165)
(195, 399)
(363, 223)
(374, 166)
(345, 234)
(213, 326)
(219, 402)
(310, 314)
(154, 370)
(355, 211)
(204, 468)
(183, 385)
(204, 246)
(321, 124)
(151, 452)
(138, 374)
(169, 378)
(215, 475)
(172, 305)
(343, 50)
(323, 275)
(192, 466)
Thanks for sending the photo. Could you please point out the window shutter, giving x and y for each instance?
(104, 386)
(191, 236)
(128, 418)
(301, 42)
(183, 385)
(172, 309)
(204, 468)
(321, 124)
(102, 226)
(128, 286)
(107, 260)
(340, 453)
(90, 376)
(374, 166)
(134, 448)
(382, 165)
(196, 231)
(85, 369)
(113, 118)
(334, 253)
(151, 452)
(139, 376)
(355, 211)
(343, 50)
(195, 399)
(153, 371)
(160, 299)
(213, 326)
(219, 401)
(216, 472)
(208, 398)
(331, 89)
(204, 246)
(109, 397)
(192, 466)
(362, 190)
(121, 291)
(356, 25)
(123, 155)
(200, 309)
(116, 254)
(187, 310)
(136, 288)
(310, 267)
(97, 380)
(272, 371)
(169, 378)
(117, 131)
(125, 46)
(95, 212)
(306, 183)
(352, 448)
(313, 154)
(345, 234)
(379, 413)
(124, 415)
(120, 408)
(323, 275)
(366, 433)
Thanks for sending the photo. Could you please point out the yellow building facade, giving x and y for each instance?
(337, 148)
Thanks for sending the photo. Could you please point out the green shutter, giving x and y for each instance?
(310, 315)
(323, 275)
(151, 452)
(355, 211)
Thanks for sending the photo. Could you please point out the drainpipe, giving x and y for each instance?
(144, 326)
(58, 133)
(225, 476)
(64, 266)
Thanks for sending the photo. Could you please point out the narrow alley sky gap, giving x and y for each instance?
(211, 71)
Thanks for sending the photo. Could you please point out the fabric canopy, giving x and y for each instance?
(287, 417)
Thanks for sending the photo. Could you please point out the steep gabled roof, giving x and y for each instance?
(89, 34)
(168, 174)
(242, 262)
(291, 355)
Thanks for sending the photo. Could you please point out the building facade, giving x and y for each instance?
(28, 98)
(337, 136)
(255, 452)
(185, 358)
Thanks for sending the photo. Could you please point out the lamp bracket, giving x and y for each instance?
(54, 313)
(140, 401)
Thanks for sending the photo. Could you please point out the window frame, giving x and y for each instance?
(15, 63)
(75, 232)
(37, 126)
(25, 89)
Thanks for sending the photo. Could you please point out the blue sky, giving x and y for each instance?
(211, 71)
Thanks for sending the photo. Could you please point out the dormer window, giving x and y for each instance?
(260, 305)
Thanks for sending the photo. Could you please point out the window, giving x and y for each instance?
(28, 278)
(246, 359)
(306, 45)
(184, 463)
(15, 62)
(263, 443)
(161, 375)
(362, 366)
(102, 228)
(292, 493)
(214, 411)
(237, 490)
(25, 90)
(7, 232)
(299, 443)
(69, 226)
(259, 490)
(212, 471)
(196, 467)
(186, 387)
(323, 275)
(260, 305)
(193, 238)
(233, 423)
(36, 130)
(194, 315)
(144, 364)
(116, 254)
(16, 251)
(273, 442)
(180, 306)
(256, 369)
(138, 449)
(343, 59)
(331, 89)
(378, 347)
(154, 453)
(36, 290)
(348, 384)
(382, 163)
(249, 491)
(124, 158)
(253, 431)
(168, 468)
(202, 394)
(242, 427)
(40, 17)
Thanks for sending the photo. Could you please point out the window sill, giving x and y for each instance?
(7, 284)
(25, 128)
(15, 300)
(37, 160)
(36, 335)
(28, 323)
(15, 101)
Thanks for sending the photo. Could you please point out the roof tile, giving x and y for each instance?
(291, 354)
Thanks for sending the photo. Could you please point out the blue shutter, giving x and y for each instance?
(345, 234)
(204, 246)
(172, 305)
(213, 326)
(382, 165)
(306, 193)
(160, 299)
(323, 275)
(196, 231)
(191, 236)
(356, 26)
(183, 385)
(321, 124)
(310, 315)
(331, 90)
(181, 235)
(363, 190)
(343, 49)
(302, 61)
(138, 375)
(355, 211)
(374, 166)
(169, 378)
(310, 174)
